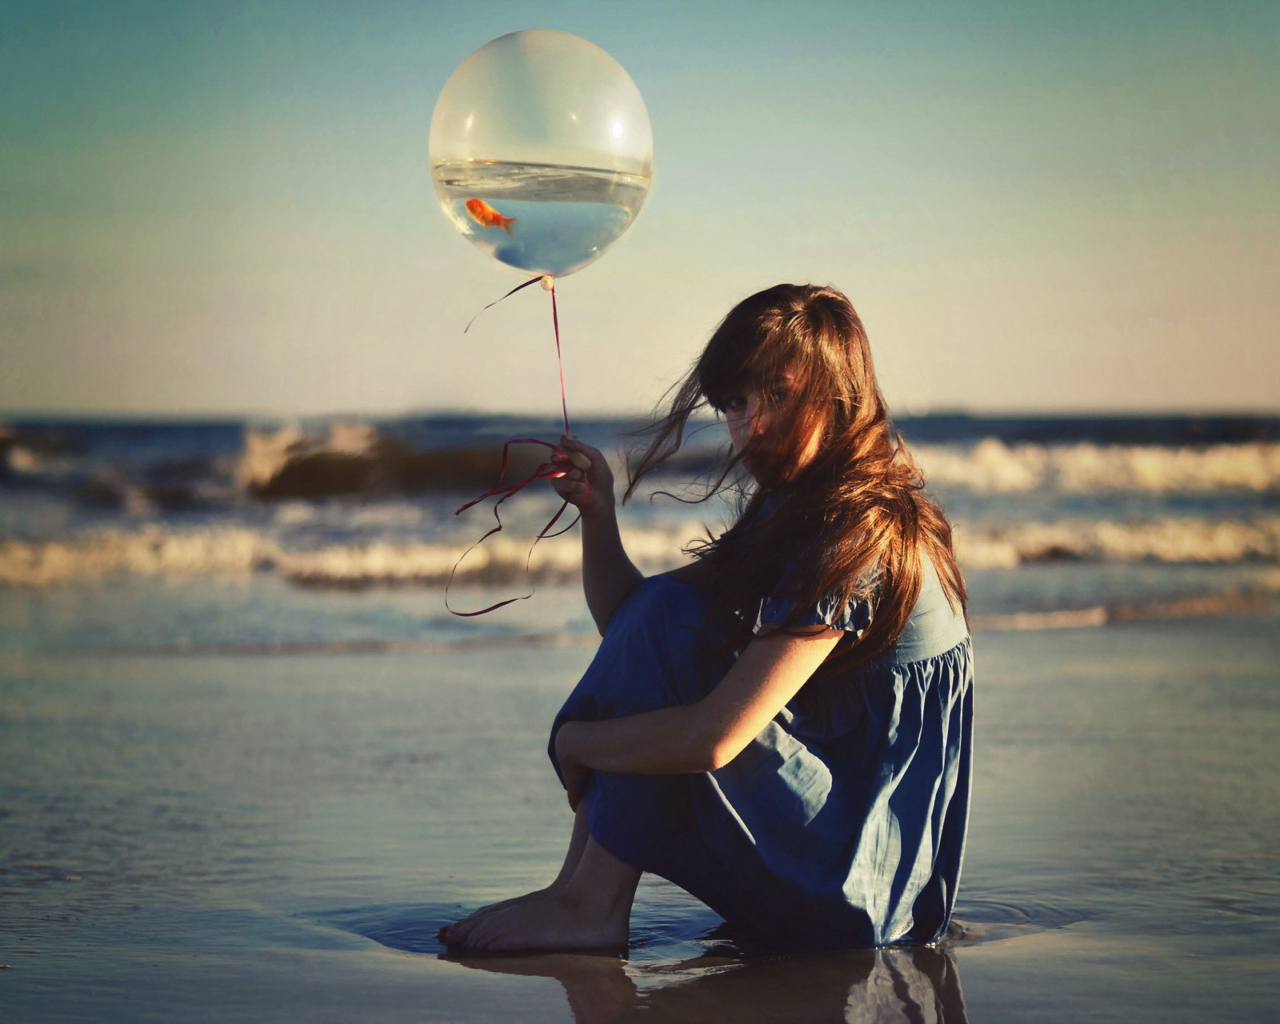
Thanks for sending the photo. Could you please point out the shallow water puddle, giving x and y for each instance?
(176, 834)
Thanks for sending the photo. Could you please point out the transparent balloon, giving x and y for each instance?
(541, 150)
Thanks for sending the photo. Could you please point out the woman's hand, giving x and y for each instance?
(575, 774)
(589, 484)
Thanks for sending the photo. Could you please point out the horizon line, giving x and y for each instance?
(206, 416)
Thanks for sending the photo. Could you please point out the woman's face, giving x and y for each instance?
(749, 415)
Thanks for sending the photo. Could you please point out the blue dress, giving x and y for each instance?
(843, 822)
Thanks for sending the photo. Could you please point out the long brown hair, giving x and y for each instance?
(851, 523)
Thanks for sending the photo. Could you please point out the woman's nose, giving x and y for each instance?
(758, 416)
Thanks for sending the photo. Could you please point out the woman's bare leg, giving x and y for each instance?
(456, 933)
(592, 911)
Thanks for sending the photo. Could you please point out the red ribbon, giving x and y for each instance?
(555, 323)
(556, 466)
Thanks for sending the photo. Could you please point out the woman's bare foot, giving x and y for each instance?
(456, 934)
(556, 922)
(592, 911)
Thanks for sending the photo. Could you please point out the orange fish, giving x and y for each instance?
(486, 216)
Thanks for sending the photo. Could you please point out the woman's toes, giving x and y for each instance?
(463, 933)
(476, 938)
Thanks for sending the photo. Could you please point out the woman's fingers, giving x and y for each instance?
(576, 776)
(570, 489)
(569, 476)
(582, 455)
(589, 484)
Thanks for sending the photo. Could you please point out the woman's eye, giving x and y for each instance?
(734, 402)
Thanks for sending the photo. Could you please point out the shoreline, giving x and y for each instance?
(1233, 603)
(216, 838)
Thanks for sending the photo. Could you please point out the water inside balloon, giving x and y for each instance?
(564, 216)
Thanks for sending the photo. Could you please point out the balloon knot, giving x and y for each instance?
(548, 282)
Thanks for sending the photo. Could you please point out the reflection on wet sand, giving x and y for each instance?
(919, 985)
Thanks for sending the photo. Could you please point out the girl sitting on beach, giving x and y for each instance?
(783, 726)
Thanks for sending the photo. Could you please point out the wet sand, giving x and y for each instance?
(278, 838)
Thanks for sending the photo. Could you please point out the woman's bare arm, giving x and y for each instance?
(703, 736)
(608, 575)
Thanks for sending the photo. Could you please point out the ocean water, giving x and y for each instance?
(249, 762)
(125, 532)
(244, 835)
(91, 499)
(565, 217)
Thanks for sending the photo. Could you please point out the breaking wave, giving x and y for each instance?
(1170, 540)
(229, 551)
(993, 467)
(225, 551)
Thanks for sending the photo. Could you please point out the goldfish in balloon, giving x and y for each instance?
(486, 216)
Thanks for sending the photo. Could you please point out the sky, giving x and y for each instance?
(225, 208)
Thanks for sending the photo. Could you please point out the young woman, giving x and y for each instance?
(783, 726)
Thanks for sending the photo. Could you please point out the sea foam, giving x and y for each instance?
(1168, 540)
(991, 466)
(229, 551)
(504, 559)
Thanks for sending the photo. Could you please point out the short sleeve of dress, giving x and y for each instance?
(853, 617)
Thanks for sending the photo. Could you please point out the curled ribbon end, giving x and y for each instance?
(558, 465)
